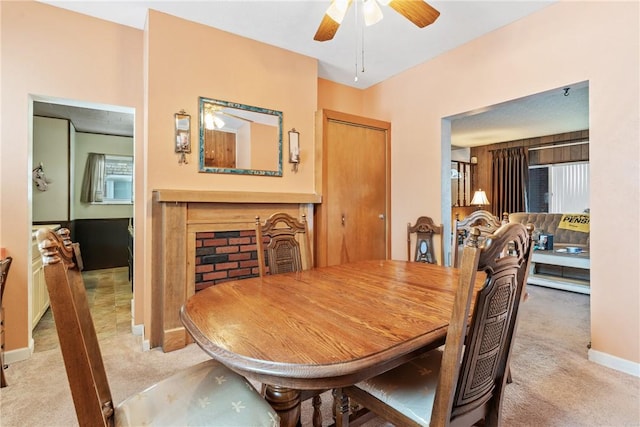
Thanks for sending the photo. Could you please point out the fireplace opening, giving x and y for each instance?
(225, 255)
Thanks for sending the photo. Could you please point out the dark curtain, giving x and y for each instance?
(510, 180)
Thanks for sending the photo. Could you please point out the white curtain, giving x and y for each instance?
(93, 179)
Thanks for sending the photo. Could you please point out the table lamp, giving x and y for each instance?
(479, 198)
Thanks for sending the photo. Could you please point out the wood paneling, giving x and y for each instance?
(219, 149)
(571, 153)
(103, 241)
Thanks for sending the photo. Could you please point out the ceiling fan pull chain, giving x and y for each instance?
(362, 46)
(355, 6)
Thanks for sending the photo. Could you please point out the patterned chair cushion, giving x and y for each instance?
(204, 395)
(410, 388)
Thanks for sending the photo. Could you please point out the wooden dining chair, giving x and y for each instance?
(424, 230)
(483, 220)
(5, 264)
(288, 248)
(205, 394)
(463, 384)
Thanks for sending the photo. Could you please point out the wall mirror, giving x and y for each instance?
(239, 139)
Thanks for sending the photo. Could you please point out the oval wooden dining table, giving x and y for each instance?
(323, 328)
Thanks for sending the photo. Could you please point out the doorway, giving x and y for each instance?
(561, 110)
(63, 133)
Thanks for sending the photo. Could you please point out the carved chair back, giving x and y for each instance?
(5, 264)
(288, 248)
(481, 219)
(4, 271)
(424, 230)
(475, 390)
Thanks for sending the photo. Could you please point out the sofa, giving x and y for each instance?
(557, 268)
(549, 223)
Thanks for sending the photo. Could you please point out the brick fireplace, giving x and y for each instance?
(225, 255)
(200, 236)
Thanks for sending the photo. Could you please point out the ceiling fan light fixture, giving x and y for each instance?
(208, 122)
(211, 122)
(218, 122)
(337, 10)
(372, 12)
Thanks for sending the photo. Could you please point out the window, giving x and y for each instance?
(118, 179)
(108, 179)
(559, 188)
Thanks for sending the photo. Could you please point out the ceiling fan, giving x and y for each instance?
(212, 119)
(416, 11)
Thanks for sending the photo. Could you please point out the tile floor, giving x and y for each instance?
(109, 294)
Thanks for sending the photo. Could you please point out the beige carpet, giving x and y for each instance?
(554, 383)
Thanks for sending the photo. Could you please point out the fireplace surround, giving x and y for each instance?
(177, 217)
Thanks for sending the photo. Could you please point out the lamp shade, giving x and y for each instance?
(480, 198)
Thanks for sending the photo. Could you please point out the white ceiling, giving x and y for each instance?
(89, 120)
(390, 47)
(560, 110)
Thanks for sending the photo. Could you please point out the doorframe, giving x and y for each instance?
(136, 330)
(323, 117)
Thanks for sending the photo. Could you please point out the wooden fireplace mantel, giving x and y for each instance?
(177, 215)
(195, 196)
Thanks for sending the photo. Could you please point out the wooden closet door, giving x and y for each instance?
(353, 219)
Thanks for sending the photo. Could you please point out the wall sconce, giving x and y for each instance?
(182, 138)
(294, 149)
(480, 198)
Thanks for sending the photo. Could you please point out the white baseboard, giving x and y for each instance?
(137, 330)
(146, 345)
(19, 354)
(614, 362)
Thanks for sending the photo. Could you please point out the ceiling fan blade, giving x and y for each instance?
(331, 20)
(327, 29)
(416, 11)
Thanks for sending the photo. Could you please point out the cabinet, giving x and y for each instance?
(39, 293)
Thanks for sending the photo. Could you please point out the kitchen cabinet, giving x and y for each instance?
(39, 294)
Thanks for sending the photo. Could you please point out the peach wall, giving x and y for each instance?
(186, 60)
(51, 52)
(565, 43)
(338, 97)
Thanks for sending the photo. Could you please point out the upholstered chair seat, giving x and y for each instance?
(410, 388)
(205, 393)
